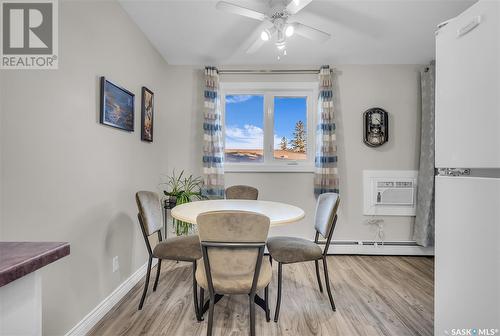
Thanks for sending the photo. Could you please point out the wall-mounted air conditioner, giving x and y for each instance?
(390, 192)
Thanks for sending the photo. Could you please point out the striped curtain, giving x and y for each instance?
(326, 175)
(213, 151)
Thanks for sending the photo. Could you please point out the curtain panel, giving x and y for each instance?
(326, 174)
(213, 144)
(423, 232)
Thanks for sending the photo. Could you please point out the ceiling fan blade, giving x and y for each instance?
(310, 32)
(255, 45)
(296, 5)
(235, 9)
(253, 42)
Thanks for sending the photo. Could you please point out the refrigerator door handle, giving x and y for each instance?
(469, 26)
(453, 172)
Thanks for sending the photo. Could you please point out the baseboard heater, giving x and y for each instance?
(370, 247)
(368, 243)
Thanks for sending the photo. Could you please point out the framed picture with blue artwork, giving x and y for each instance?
(117, 106)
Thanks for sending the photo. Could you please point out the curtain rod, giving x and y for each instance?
(269, 72)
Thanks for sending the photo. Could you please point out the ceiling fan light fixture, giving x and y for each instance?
(274, 23)
(264, 36)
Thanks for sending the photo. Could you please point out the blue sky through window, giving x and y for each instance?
(244, 122)
(287, 112)
(245, 119)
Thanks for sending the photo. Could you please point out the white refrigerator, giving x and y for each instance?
(467, 207)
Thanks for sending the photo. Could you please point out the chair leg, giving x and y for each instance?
(158, 270)
(252, 314)
(316, 262)
(146, 284)
(278, 302)
(327, 281)
(266, 298)
(202, 302)
(195, 294)
(211, 315)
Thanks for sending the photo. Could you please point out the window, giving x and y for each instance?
(290, 128)
(244, 131)
(268, 126)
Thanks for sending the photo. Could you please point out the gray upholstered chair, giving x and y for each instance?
(242, 192)
(233, 245)
(288, 250)
(185, 248)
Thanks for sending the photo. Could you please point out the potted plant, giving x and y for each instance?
(182, 189)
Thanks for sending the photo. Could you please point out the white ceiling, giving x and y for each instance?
(363, 32)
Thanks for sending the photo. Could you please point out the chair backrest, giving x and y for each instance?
(234, 245)
(149, 206)
(242, 192)
(326, 210)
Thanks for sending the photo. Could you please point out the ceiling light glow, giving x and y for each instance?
(264, 36)
(289, 30)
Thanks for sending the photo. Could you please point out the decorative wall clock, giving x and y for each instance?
(376, 126)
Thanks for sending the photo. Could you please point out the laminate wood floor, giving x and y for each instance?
(375, 295)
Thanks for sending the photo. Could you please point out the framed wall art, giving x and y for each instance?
(117, 106)
(147, 114)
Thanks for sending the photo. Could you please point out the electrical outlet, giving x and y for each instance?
(116, 264)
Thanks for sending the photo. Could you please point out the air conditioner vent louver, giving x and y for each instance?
(395, 184)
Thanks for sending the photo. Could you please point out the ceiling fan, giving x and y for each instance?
(276, 21)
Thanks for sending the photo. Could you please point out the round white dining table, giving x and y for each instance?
(278, 213)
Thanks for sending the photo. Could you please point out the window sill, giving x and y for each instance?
(255, 168)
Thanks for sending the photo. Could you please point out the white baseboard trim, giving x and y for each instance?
(389, 249)
(92, 318)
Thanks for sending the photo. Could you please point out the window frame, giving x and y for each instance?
(270, 90)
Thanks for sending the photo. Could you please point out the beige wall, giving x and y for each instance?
(393, 87)
(66, 177)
